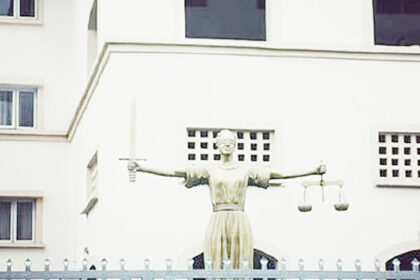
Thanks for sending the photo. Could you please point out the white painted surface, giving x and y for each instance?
(322, 109)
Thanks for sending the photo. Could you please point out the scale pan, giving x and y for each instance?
(342, 206)
(305, 207)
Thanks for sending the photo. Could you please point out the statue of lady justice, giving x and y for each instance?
(228, 234)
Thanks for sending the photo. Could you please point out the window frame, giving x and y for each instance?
(17, 18)
(13, 221)
(401, 180)
(15, 107)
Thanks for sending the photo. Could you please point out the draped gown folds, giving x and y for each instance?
(228, 234)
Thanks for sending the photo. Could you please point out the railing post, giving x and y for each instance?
(9, 264)
(28, 267)
(104, 263)
(301, 264)
(147, 274)
(415, 264)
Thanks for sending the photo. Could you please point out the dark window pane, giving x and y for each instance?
(254, 158)
(214, 146)
(417, 139)
(216, 157)
(407, 138)
(418, 151)
(395, 173)
(394, 138)
(204, 133)
(241, 157)
(191, 145)
(6, 105)
(394, 161)
(406, 151)
(253, 147)
(191, 156)
(215, 132)
(382, 173)
(408, 173)
(191, 133)
(26, 108)
(395, 151)
(382, 150)
(203, 145)
(266, 135)
(241, 135)
(266, 158)
(381, 138)
(6, 8)
(5, 220)
(253, 135)
(240, 146)
(382, 161)
(27, 8)
(24, 221)
(204, 157)
(266, 146)
(396, 22)
(225, 19)
(407, 162)
(418, 162)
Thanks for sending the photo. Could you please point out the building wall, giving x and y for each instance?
(321, 109)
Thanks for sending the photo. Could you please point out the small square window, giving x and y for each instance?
(382, 173)
(204, 156)
(214, 146)
(408, 173)
(191, 133)
(407, 138)
(382, 161)
(253, 135)
(216, 157)
(27, 8)
(203, 145)
(240, 135)
(418, 162)
(407, 162)
(204, 133)
(240, 146)
(381, 138)
(406, 151)
(266, 135)
(266, 158)
(394, 138)
(254, 158)
(191, 156)
(394, 161)
(191, 145)
(418, 139)
(241, 157)
(266, 146)
(395, 173)
(382, 150)
(253, 147)
(215, 132)
(395, 151)
(418, 173)
(418, 151)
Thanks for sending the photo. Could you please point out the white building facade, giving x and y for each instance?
(308, 84)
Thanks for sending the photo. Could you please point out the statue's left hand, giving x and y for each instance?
(322, 169)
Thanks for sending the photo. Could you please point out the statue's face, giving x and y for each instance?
(226, 146)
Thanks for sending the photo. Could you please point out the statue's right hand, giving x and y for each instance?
(132, 165)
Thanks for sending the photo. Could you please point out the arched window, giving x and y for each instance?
(405, 260)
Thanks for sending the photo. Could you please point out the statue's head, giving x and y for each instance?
(226, 142)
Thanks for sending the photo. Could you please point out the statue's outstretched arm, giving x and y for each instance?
(318, 171)
(132, 165)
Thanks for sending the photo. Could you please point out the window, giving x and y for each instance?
(20, 9)
(17, 107)
(398, 162)
(17, 220)
(225, 19)
(252, 145)
(396, 22)
(91, 184)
